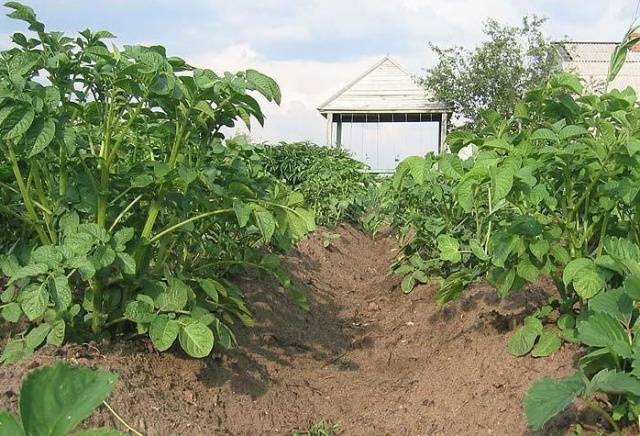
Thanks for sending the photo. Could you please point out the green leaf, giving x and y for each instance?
(9, 425)
(31, 270)
(548, 344)
(11, 312)
(13, 351)
(55, 399)
(57, 333)
(503, 279)
(265, 85)
(569, 81)
(211, 288)
(139, 311)
(128, 263)
(566, 321)
(477, 250)
(196, 339)
(243, 212)
(34, 302)
(50, 255)
(103, 257)
(163, 332)
(615, 303)
(572, 131)
(61, 292)
(527, 270)
(503, 245)
(44, 138)
(631, 286)
(449, 248)
(539, 248)
(502, 182)
(122, 236)
(548, 397)
(588, 282)
(175, 297)
(600, 330)
(36, 336)
(265, 222)
(163, 83)
(613, 382)
(524, 339)
(526, 226)
(572, 268)
(544, 135)
(408, 283)
(204, 79)
(20, 128)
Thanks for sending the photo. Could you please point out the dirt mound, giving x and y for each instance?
(365, 356)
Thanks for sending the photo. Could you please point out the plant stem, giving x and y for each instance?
(187, 221)
(600, 411)
(124, 211)
(122, 421)
(26, 197)
(98, 294)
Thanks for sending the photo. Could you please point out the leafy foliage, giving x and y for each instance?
(334, 184)
(496, 74)
(131, 208)
(55, 399)
(550, 189)
(608, 327)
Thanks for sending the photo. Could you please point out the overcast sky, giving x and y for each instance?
(314, 47)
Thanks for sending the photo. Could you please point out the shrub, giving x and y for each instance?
(334, 184)
(132, 208)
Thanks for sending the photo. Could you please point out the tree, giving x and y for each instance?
(497, 73)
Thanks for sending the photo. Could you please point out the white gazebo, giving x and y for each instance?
(386, 94)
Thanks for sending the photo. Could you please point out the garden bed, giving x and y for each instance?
(364, 356)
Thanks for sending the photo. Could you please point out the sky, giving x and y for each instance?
(314, 47)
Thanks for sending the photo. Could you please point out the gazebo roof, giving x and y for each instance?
(386, 87)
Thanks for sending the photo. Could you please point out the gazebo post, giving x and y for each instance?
(329, 128)
(442, 134)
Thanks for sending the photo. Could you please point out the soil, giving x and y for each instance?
(365, 356)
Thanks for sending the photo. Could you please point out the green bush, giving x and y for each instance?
(334, 184)
(130, 207)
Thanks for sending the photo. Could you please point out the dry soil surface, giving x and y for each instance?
(365, 355)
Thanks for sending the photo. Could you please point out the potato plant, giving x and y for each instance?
(552, 190)
(334, 185)
(129, 207)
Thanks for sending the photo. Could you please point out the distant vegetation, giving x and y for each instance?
(496, 74)
(334, 185)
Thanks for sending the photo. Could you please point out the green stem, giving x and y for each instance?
(40, 192)
(124, 211)
(98, 294)
(103, 191)
(26, 197)
(187, 221)
(62, 187)
(600, 411)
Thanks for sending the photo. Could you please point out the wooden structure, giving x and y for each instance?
(385, 93)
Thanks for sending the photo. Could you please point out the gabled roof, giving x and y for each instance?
(591, 61)
(386, 87)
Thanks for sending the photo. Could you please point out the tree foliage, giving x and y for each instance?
(495, 74)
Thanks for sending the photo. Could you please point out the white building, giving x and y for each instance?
(384, 116)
